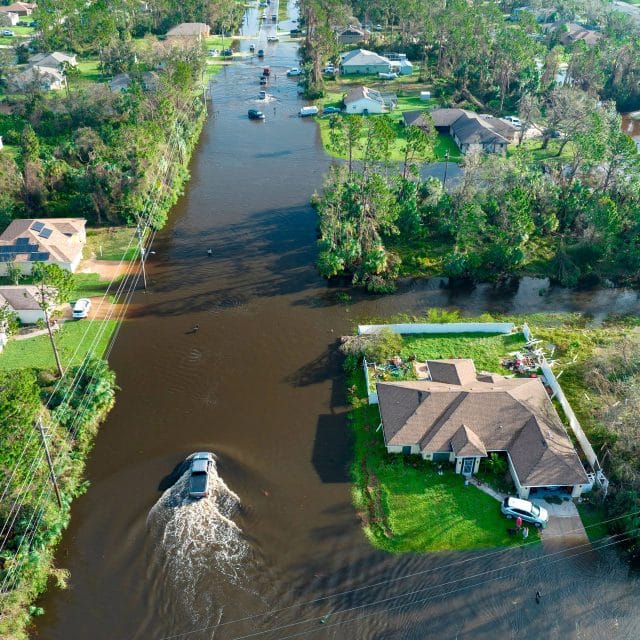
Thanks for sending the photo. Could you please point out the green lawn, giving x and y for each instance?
(89, 285)
(533, 150)
(90, 70)
(282, 10)
(592, 517)
(428, 512)
(485, 349)
(112, 243)
(37, 353)
(444, 142)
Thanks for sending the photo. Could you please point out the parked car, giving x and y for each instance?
(263, 80)
(262, 95)
(201, 465)
(329, 69)
(227, 52)
(387, 75)
(8, 33)
(255, 114)
(308, 111)
(273, 39)
(515, 507)
(294, 72)
(260, 53)
(295, 32)
(81, 308)
(266, 71)
(214, 52)
(252, 47)
(516, 122)
(328, 110)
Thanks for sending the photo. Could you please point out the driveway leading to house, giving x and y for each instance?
(565, 527)
(106, 269)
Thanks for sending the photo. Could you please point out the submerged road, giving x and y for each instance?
(261, 385)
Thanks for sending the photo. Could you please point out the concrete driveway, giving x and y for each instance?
(565, 527)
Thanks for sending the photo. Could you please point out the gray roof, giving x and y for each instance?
(362, 57)
(358, 93)
(20, 298)
(499, 414)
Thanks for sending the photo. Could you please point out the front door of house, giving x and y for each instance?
(467, 466)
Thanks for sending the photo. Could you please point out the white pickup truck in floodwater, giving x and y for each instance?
(201, 464)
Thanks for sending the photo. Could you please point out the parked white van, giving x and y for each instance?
(308, 111)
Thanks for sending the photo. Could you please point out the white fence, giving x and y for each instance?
(434, 327)
(558, 393)
(574, 424)
(373, 396)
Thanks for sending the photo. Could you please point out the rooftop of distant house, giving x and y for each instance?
(31, 240)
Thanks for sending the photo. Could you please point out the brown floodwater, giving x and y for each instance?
(260, 384)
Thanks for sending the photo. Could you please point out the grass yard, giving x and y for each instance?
(89, 285)
(37, 353)
(533, 150)
(444, 142)
(592, 517)
(428, 512)
(485, 349)
(90, 71)
(405, 506)
(282, 10)
(112, 243)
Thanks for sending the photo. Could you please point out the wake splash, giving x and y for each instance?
(202, 549)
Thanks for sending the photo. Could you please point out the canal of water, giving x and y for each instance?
(260, 384)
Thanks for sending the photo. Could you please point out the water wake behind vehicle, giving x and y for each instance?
(199, 544)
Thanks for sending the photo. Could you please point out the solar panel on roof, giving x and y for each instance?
(37, 226)
(43, 255)
(22, 241)
(45, 233)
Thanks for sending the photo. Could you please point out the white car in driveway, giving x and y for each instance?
(81, 308)
(516, 122)
(529, 512)
(294, 72)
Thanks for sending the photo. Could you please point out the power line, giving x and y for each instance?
(404, 577)
(141, 228)
(427, 599)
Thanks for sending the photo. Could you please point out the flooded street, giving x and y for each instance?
(260, 384)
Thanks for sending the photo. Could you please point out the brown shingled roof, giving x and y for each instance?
(488, 412)
(466, 442)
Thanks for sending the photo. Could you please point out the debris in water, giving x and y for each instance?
(325, 618)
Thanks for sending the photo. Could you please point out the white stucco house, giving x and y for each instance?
(45, 78)
(362, 61)
(24, 301)
(50, 240)
(365, 101)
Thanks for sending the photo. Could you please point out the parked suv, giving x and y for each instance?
(514, 507)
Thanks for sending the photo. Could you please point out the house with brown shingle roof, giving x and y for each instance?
(50, 240)
(460, 416)
(189, 31)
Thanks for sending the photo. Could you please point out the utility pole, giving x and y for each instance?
(446, 166)
(142, 259)
(54, 480)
